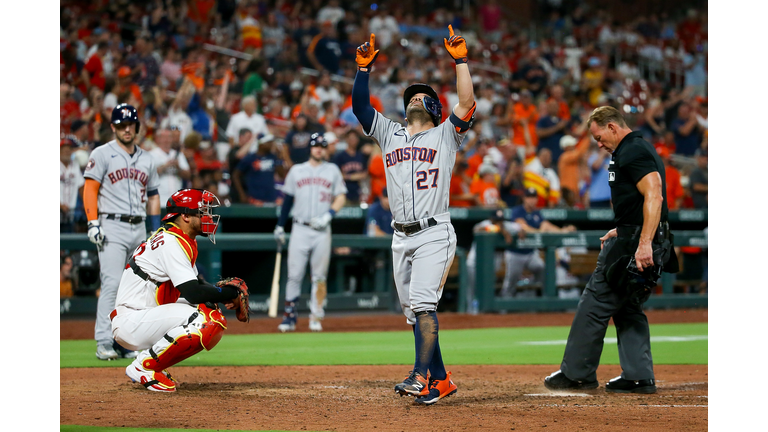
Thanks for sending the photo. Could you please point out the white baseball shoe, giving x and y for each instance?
(151, 380)
(288, 324)
(106, 352)
(314, 325)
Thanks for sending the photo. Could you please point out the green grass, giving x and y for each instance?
(670, 344)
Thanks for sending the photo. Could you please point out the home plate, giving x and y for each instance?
(558, 394)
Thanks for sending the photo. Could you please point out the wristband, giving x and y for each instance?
(461, 60)
(332, 212)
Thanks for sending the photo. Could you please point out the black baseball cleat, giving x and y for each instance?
(558, 381)
(621, 385)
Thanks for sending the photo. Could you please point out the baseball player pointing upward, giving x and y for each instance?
(418, 159)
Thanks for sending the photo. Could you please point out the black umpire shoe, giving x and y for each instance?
(621, 385)
(558, 381)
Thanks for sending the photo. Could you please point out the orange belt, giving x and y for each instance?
(112, 314)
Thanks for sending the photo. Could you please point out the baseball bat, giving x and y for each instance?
(273, 297)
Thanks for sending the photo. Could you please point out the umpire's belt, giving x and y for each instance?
(414, 227)
(633, 231)
(140, 273)
(124, 218)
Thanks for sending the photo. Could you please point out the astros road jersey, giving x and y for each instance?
(125, 179)
(417, 166)
(313, 189)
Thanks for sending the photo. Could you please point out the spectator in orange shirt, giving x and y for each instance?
(474, 161)
(675, 191)
(486, 186)
(67, 283)
(461, 182)
(524, 115)
(569, 168)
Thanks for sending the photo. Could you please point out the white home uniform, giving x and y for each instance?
(418, 170)
(71, 180)
(124, 181)
(313, 189)
(146, 309)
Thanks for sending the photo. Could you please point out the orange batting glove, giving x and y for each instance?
(366, 55)
(456, 46)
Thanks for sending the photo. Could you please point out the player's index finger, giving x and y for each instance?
(450, 28)
(373, 40)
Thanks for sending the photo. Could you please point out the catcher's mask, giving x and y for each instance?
(196, 202)
(431, 102)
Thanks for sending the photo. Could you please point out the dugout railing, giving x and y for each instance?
(376, 291)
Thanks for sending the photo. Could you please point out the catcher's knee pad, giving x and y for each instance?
(203, 330)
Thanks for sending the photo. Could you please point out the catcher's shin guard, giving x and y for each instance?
(203, 330)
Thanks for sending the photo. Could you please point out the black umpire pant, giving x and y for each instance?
(598, 304)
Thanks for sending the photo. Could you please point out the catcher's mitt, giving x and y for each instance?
(240, 303)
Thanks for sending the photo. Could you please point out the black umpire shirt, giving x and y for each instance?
(633, 159)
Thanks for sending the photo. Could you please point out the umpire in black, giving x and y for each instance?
(631, 260)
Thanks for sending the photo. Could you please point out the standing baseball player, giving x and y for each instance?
(315, 190)
(121, 188)
(162, 307)
(418, 159)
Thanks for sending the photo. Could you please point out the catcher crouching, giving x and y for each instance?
(163, 309)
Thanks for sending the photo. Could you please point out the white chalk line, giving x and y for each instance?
(655, 339)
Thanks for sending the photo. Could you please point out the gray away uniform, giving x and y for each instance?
(125, 180)
(418, 170)
(313, 189)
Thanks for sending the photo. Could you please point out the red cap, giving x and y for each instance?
(123, 72)
(662, 151)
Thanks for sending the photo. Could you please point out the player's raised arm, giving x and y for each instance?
(457, 47)
(361, 98)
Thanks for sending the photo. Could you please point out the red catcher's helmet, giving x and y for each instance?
(195, 202)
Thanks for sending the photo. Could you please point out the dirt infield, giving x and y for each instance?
(360, 398)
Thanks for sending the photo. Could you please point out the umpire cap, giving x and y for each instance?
(125, 113)
(431, 103)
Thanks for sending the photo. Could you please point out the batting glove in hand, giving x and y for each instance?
(95, 233)
(366, 54)
(321, 222)
(279, 235)
(456, 46)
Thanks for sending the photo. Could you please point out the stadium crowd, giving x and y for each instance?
(230, 91)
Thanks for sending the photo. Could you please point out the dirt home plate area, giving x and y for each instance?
(361, 398)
